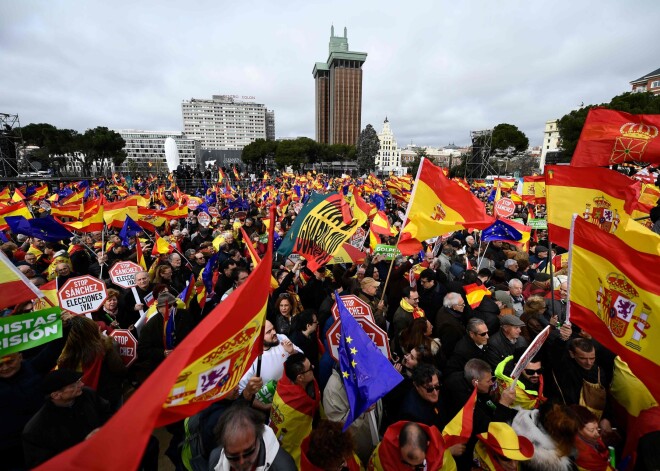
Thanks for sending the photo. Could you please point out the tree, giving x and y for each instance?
(256, 153)
(414, 165)
(291, 152)
(570, 125)
(98, 146)
(508, 138)
(367, 148)
(55, 145)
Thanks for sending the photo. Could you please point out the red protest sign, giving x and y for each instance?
(82, 294)
(123, 274)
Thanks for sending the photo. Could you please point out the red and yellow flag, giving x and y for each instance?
(115, 213)
(533, 189)
(603, 197)
(14, 209)
(438, 206)
(614, 293)
(14, 286)
(475, 294)
(161, 246)
(459, 429)
(204, 368)
(613, 137)
(381, 225)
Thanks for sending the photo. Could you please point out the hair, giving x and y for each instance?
(499, 276)
(586, 345)
(414, 435)
(451, 299)
(470, 276)
(173, 255)
(158, 277)
(584, 415)
(473, 323)
(423, 374)
(485, 272)
(414, 334)
(562, 424)
(294, 365)
(329, 446)
(475, 368)
(289, 297)
(407, 290)
(515, 281)
(83, 344)
(226, 263)
(534, 305)
(509, 262)
(238, 271)
(237, 418)
(112, 293)
(427, 274)
(302, 320)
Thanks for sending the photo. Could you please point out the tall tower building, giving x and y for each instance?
(388, 158)
(338, 89)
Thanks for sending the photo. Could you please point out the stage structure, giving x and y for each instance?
(10, 138)
(477, 164)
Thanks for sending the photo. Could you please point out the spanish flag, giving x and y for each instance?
(381, 225)
(91, 219)
(140, 256)
(40, 192)
(459, 429)
(161, 246)
(292, 414)
(475, 294)
(613, 137)
(15, 287)
(533, 189)
(254, 256)
(66, 211)
(614, 293)
(14, 209)
(204, 368)
(4, 194)
(115, 213)
(438, 206)
(603, 197)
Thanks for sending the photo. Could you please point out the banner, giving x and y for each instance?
(389, 252)
(536, 223)
(25, 331)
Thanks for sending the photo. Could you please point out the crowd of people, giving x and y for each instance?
(563, 412)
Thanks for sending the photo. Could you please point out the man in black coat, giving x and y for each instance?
(431, 294)
(449, 324)
(472, 345)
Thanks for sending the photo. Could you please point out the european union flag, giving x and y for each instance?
(47, 228)
(368, 375)
(130, 229)
(207, 273)
(500, 230)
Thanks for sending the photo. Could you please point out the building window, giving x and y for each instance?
(655, 84)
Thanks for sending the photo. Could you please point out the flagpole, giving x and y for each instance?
(102, 252)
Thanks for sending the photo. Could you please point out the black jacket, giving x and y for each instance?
(449, 328)
(499, 347)
(465, 350)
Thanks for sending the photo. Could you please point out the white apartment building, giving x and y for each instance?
(550, 140)
(227, 121)
(389, 155)
(147, 149)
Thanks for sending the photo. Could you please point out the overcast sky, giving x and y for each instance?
(437, 69)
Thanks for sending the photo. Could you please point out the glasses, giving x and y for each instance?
(530, 372)
(481, 334)
(414, 300)
(245, 455)
(311, 368)
(430, 389)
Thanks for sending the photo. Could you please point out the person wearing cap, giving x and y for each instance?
(69, 415)
(369, 294)
(506, 341)
(153, 344)
(501, 449)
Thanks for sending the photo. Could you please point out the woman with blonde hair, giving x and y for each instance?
(95, 356)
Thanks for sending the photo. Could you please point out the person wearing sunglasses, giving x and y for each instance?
(247, 444)
(529, 387)
(474, 344)
(420, 404)
(410, 446)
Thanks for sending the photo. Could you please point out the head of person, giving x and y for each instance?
(416, 356)
(228, 266)
(285, 304)
(200, 259)
(359, 274)
(62, 386)
(589, 426)
(175, 260)
(535, 305)
(299, 369)
(563, 290)
(27, 270)
(541, 251)
(164, 273)
(239, 433)
(477, 330)
(62, 269)
(484, 275)
(583, 352)
(416, 333)
(426, 380)
(533, 371)
(504, 446)
(142, 280)
(112, 301)
(511, 326)
(30, 258)
(10, 365)
(479, 374)
(410, 295)
(270, 335)
(321, 272)
(166, 302)
(369, 286)
(469, 240)
(329, 448)
(306, 322)
(413, 445)
(515, 287)
(511, 264)
(454, 301)
(240, 275)
(427, 279)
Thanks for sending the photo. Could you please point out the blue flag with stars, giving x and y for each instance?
(500, 230)
(368, 375)
(129, 229)
(47, 228)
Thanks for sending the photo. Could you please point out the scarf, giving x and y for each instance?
(592, 456)
(416, 311)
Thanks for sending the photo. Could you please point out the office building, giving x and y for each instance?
(146, 150)
(227, 122)
(338, 93)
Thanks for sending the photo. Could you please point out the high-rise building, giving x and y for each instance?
(227, 121)
(146, 150)
(550, 140)
(388, 158)
(338, 90)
